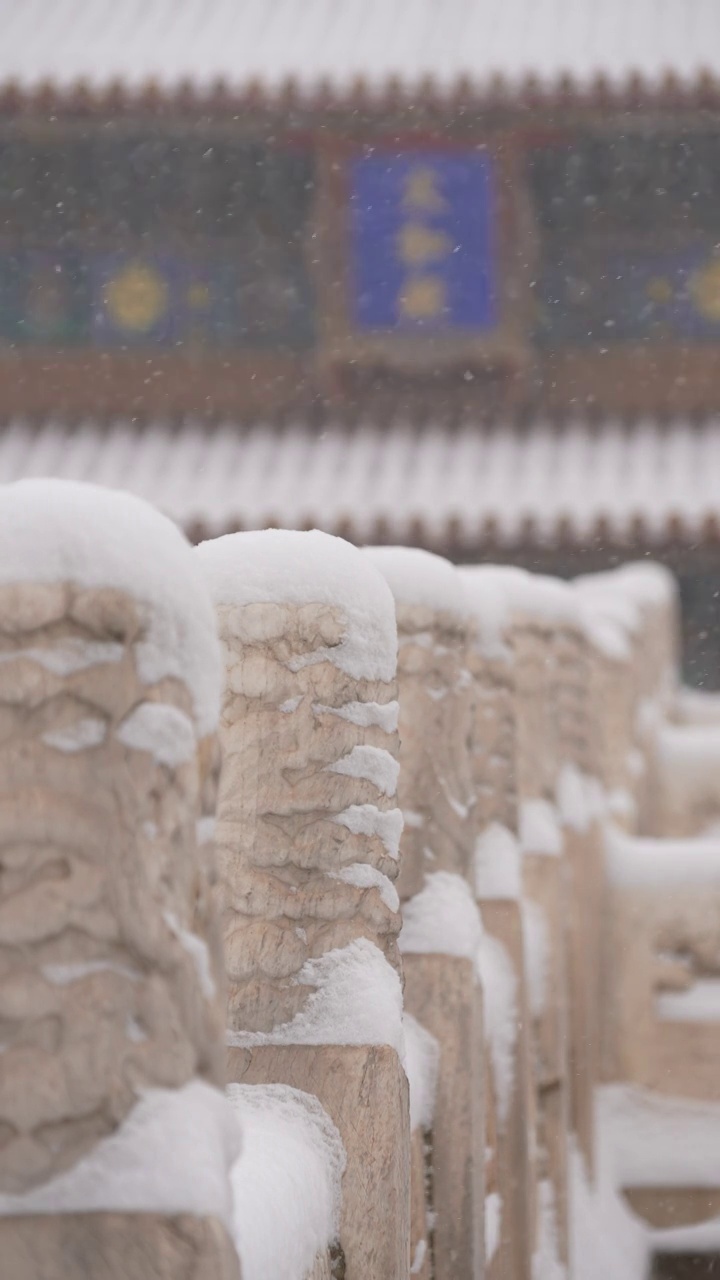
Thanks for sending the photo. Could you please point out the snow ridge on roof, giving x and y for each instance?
(312, 43)
(399, 483)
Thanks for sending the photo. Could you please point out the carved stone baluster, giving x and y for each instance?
(110, 969)
(308, 837)
(441, 930)
(510, 1110)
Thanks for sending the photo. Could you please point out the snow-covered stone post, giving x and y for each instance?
(307, 836)
(610, 620)
(580, 814)
(544, 609)
(441, 924)
(111, 999)
(510, 1105)
(681, 775)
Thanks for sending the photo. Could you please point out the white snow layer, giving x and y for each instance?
(162, 730)
(606, 1239)
(576, 799)
(357, 999)
(418, 1258)
(659, 1141)
(612, 604)
(283, 566)
(500, 1012)
(363, 876)
(84, 734)
(422, 1063)
(73, 654)
(499, 594)
(648, 582)
(286, 1185)
(62, 531)
(700, 1003)
(643, 1140)
(496, 864)
(372, 764)
(418, 577)
(546, 1264)
(493, 1218)
(368, 715)
(536, 947)
(171, 1154)
(368, 820)
(442, 918)
(539, 828)
(690, 756)
(197, 948)
(645, 862)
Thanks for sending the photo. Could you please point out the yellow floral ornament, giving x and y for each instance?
(137, 297)
(704, 289)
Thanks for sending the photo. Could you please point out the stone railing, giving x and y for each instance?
(461, 897)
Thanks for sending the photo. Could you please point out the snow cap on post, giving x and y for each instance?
(286, 567)
(55, 531)
(420, 578)
(498, 595)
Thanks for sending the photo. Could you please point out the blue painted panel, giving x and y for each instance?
(422, 241)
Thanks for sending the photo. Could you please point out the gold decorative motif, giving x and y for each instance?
(137, 297)
(419, 245)
(423, 298)
(704, 289)
(421, 190)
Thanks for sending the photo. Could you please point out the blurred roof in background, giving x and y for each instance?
(342, 47)
(452, 490)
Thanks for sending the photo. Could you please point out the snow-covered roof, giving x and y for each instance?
(338, 43)
(441, 487)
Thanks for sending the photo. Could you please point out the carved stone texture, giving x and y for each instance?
(114, 1246)
(614, 715)
(612, 623)
(493, 736)
(532, 610)
(437, 792)
(583, 847)
(110, 976)
(307, 828)
(653, 590)
(541, 610)
(364, 1090)
(441, 992)
(436, 706)
(512, 1170)
(545, 885)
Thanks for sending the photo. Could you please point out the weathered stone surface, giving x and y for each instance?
(584, 897)
(436, 788)
(441, 992)
(514, 1173)
(364, 1091)
(585, 922)
(110, 979)
(545, 884)
(421, 1219)
(307, 828)
(113, 1246)
(493, 740)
